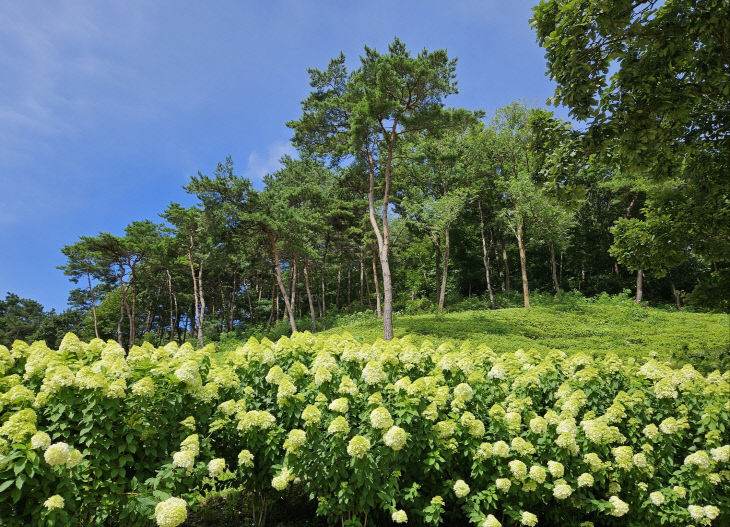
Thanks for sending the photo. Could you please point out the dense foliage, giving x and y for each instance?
(388, 432)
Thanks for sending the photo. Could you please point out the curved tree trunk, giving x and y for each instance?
(120, 340)
(93, 305)
(277, 266)
(383, 242)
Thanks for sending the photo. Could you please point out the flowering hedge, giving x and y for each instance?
(381, 433)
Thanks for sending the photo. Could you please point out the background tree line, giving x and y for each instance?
(400, 202)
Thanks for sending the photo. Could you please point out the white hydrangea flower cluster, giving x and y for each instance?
(395, 438)
(618, 508)
(57, 454)
(461, 489)
(171, 512)
(358, 446)
(216, 467)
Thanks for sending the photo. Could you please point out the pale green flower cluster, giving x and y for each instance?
(54, 502)
(57, 454)
(40, 440)
(395, 438)
(281, 481)
(461, 489)
(295, 440)
(216, 467)
(256, 420)
(245, 458)
(171, 512)
(311, 415)
(380, 418)
(358, 446)
(618, 508)
(339, 425)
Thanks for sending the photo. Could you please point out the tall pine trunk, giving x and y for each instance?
(378, 310)
(250, 303)
(339, 281)
(169, 291)
(324, 268)
(523, 264)
(93, 305)
(485, 255)
(383, 237)
(444, 270)
(362, 278)
(506, 267)
(309, 294)
(282, 289)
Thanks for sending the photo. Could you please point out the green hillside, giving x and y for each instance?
(598, 328)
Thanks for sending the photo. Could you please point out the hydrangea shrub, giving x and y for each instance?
(388, 430)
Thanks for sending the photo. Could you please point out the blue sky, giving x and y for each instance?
(107, 108)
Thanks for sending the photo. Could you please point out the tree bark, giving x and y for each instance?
(277, 265)
(201, 342)
(367, 284)
(523, 264)
(384, 237)
(349, 286)
(273, 299)
(169, 290)
(93, 305)
(324, 268)
(250, 304)
(554, 269)
(339, 281)
(444, 270)
(133, 312)
(485, 255)
(639, 286)
(294, 281)
(675, 293)
(362, 278)
(120, 340)
(309, 295)
(506, 267)
(378, 310)
(196, 287)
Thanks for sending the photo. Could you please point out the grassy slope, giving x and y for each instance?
(624, 328)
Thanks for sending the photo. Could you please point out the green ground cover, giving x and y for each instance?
(622, 327)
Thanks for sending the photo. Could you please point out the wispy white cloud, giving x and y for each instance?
(261, 164)
(57, 69)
